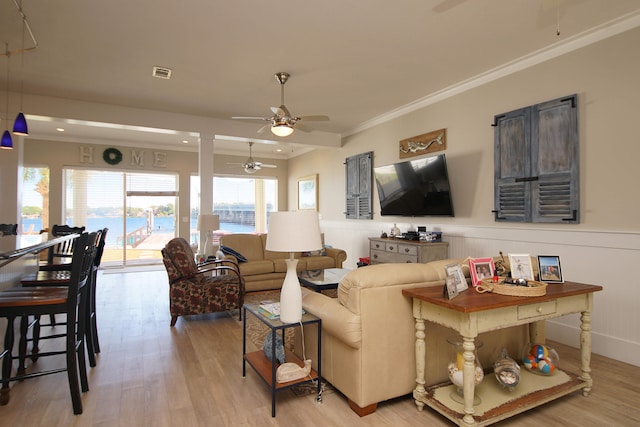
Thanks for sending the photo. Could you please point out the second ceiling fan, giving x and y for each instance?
(250, 166)
(282, 123)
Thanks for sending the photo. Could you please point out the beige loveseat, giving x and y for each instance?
(265, 269)
(368, 334)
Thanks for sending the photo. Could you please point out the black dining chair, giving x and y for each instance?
(70, 300)
(62, 252)
(60, 275)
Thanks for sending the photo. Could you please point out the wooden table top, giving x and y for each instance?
(471, 301)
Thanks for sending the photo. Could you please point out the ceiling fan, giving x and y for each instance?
(282, 123)
(250, 166)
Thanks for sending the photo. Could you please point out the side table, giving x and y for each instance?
(265, 368)
(471, 313)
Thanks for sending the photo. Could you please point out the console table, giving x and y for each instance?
(471, 313)
(385, 250)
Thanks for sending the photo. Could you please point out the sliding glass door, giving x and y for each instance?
(138, 209)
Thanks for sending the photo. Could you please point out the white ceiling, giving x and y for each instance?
(358, 62)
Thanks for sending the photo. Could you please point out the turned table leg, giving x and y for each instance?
(419, 393)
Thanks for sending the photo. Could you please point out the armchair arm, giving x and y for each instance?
(339, 255)
(336, 319)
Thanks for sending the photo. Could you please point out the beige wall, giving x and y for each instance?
(605, 77)
(602, 249)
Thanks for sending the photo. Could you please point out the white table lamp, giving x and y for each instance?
(293, 232)
(208, 223)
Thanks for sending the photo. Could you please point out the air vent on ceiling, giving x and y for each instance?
(162, 72)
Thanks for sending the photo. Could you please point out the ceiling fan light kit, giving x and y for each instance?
(282, 130)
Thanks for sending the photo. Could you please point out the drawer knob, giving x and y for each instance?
(406, 249)
(377, 245)
(375, 255)
(390, 248)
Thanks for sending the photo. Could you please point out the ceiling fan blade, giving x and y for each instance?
(251, 118)
(264, 128)
(281, 111)
(314, 118)
(262, 165)
(303, 128)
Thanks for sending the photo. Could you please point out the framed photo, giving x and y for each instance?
(450, 290)
(455, 270)
(521, 266)
(549, 267)
(481, 268)
(308, 193)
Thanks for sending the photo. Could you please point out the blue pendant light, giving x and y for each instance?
(7, 143)
(20, 125)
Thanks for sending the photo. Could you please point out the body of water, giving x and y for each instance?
(163, 224)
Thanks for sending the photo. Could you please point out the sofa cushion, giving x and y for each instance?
(261, 266)
(228, 251)
(249, 245)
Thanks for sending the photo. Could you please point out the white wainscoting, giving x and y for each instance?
(606, 258)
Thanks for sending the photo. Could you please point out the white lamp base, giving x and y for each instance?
(291, 295)
(208, 245)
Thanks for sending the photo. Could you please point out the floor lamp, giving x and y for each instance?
(293, 232)
(208, 223)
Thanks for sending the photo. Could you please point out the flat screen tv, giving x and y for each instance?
(415, 188)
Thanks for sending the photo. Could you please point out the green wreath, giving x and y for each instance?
(113, 156)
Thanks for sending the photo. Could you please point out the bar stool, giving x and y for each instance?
(59, 275)
(70, 300)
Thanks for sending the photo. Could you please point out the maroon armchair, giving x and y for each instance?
(191, 291)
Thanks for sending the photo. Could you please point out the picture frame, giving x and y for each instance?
(455, 270)
(308, 193)
(481, 268)
(521, 266)
(450, 290)
(549, 268)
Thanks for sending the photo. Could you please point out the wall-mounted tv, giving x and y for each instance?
(415, 188)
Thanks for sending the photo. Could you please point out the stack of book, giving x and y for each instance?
(270, 309)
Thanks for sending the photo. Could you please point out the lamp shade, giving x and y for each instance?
(208, 222)
(294, 232)
(6, 142)
(20, 125)
(282, 130)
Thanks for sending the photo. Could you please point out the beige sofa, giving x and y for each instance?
(368, 334)
(265, 270)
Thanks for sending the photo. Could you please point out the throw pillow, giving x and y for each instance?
(227, 250)
(267, 346)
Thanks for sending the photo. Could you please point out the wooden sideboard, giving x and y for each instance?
(386, 250)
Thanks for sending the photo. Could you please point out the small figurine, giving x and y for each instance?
(383, 235)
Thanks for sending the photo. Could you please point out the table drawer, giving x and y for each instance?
(531, 311)
(377, 245)
(407, 250)
(394, 257)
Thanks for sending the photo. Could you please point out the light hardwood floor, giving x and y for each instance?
(149, 374)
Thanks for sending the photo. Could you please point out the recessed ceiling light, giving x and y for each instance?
(185, 141)
(60, 129)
